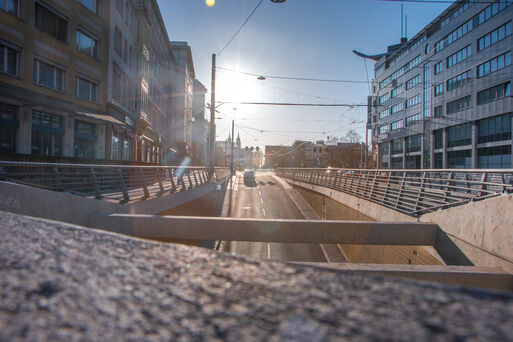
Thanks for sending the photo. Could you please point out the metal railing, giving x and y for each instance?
(413, 192)
(121, 183)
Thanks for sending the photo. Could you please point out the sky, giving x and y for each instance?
(298, 38)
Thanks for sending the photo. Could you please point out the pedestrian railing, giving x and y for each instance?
(413, 192)
(111, 182)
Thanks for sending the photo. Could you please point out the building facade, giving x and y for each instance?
(443, 99)
(183, 84)
(200, 125)
(86, 79)
(52, 79)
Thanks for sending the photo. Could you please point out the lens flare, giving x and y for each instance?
(210, 3)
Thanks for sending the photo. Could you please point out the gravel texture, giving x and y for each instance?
(66, 283)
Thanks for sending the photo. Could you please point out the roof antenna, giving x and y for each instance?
(406, 26)
(402, 21)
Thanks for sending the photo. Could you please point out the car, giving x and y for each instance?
(249, 176)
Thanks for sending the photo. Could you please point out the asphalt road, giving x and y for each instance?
(267, 199)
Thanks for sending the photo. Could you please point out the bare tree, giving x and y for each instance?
(352, 137)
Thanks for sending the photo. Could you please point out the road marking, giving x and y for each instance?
(260, 193)
(261, 200)
(246, 208)
(263, 210)
(268, 251)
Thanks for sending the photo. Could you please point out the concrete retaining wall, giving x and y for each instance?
(66, 207)
(482, 230)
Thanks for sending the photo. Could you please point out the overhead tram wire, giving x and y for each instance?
(293, 78)
(293, 104)
(442, 1)
(240, 28)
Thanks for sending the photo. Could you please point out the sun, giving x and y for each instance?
(210, 3)
(233, 87)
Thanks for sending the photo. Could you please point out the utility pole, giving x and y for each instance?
(231, 157)
(213, 113)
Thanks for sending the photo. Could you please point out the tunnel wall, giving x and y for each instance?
(330, 209)
(482, 230)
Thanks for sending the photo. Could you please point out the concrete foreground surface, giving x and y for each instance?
(66, 283)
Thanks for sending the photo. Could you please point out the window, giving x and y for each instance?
(379, 71)
(91, 5)
(127, 149)
(439, 160)
(398, 90)
(410, 120)
(8, 125)
(84, 140)
(86, 90)
(460, 135)
(497, 157)
(439, 67)
(47, 75)
(463, 7)
(495, 36)
(497, 128)
(492, 10)
(439, 111)
(384, 113)
(397, 125)
(427, 90)
(459, 80)
(384, 98)
(413, 82)
(118, 42)
(459, 56)
(398, 107)
(47, 134)
(384, 129)
(459, 159)
(438, 136)
(50, 22)
(412, 101)
(413, 143)
(458, 105)
(397, 146)
(87, 44)
(115, 146)
(455, 35)
(116, 85)
(9, 60)
(439, 89)
(10, 6)
(494, 64)
(493, 93)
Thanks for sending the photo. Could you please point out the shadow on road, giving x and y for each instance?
(250, 183)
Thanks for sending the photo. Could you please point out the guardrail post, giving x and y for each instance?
(420, 192)
(189, 178)
(58, 177)
(143, 183)
(195, 179)
(95, 184)
(371, 193)
(401, 190)
(126, 198)
(447, 186)
(483, 186)
(171, 178)
(159, 179)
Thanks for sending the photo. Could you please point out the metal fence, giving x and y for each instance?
(413, 192)
(121, 183)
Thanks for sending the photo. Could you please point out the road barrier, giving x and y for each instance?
(412, 192)
(116, 182)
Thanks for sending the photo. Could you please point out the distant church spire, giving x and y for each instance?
(238, 140)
